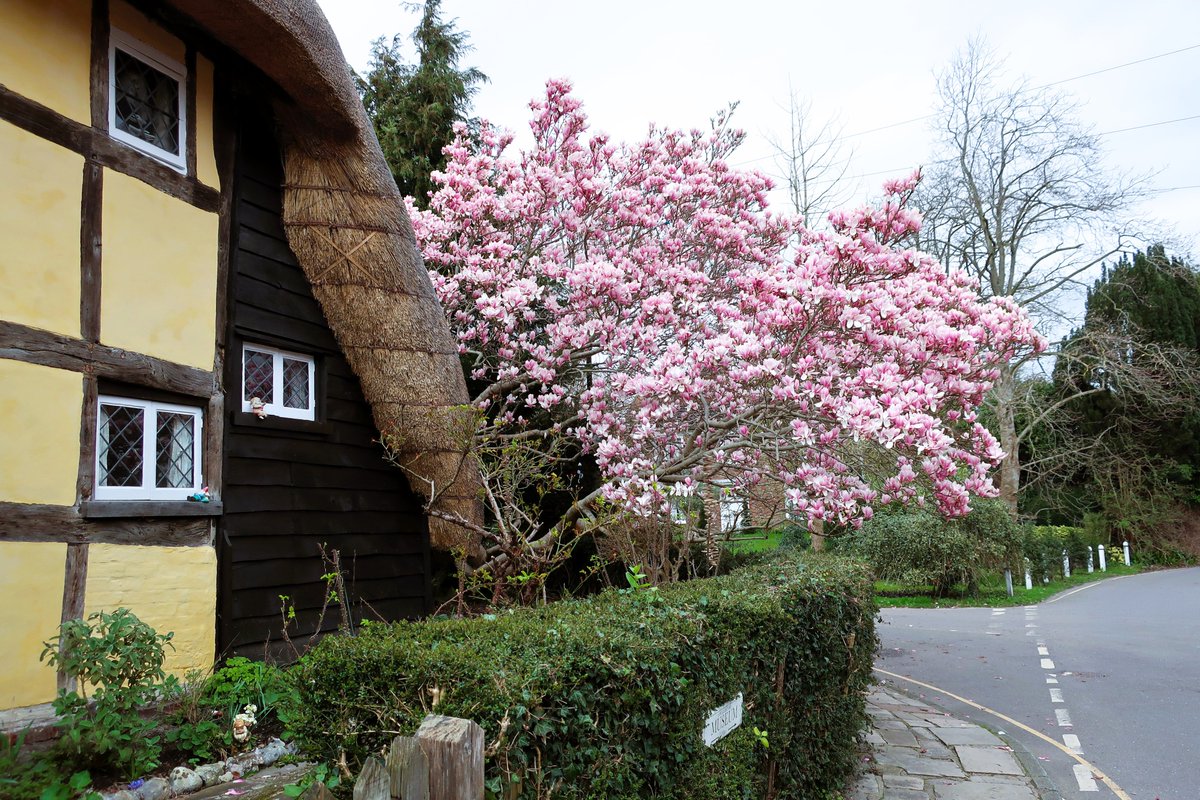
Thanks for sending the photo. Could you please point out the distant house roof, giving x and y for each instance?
(347, 225)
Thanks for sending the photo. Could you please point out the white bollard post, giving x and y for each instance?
(1028, 577)
(1127, 561)
(1103, 560)
(1090, 570)
(1066, 565)
(1008, 582)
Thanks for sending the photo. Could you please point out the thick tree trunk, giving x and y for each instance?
(1006, 424)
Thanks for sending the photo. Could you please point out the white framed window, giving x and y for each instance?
(283, 383)
(146, 450)
(146, 100)
(733, 508)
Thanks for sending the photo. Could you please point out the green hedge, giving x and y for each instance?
(607, 697)
(917, 547)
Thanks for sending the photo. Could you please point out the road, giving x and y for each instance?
(1110, 670)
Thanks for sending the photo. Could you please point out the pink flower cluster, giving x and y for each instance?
(641, 299)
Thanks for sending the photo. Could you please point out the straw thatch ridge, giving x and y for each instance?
(346, 223)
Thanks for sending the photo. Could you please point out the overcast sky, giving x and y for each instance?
(867, 65)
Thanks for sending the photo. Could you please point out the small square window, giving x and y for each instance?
(146, 100)
(147, 450)
(276, 383)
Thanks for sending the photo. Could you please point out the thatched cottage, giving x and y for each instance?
(210, 304)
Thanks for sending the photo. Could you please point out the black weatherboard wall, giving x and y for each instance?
(290, 486)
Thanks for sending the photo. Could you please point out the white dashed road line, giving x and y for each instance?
(1072, 741)
(1043, 650)
(1056, 696)
(1064, 718)
(1047, 664)
(1083, 776)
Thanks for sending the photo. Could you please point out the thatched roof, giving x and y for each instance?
(348, 228)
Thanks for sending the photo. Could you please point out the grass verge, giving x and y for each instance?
(891, 595)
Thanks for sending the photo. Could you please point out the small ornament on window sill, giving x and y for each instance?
(202, 496)
(258, 408)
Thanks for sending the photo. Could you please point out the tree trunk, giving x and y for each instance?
(1006, 424)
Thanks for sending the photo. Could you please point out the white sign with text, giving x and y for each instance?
(722, 721)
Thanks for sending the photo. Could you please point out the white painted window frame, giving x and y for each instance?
(143, 52)
(276, 408)
(728, 498)
(147, 490)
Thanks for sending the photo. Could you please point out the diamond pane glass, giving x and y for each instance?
(120, 450)
(175, 444)
(258, 376)
(146, 102)
(295, 383)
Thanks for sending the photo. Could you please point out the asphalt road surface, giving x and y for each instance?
(1110, 671)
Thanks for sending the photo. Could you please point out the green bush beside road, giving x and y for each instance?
(607, 697)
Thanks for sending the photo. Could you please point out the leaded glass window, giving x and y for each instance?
(283, 383)
(146, 103)
(146, 450)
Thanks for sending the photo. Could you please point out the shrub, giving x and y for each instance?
(206, 706)
(1043, 546)
(120, 659)
(920, 548)
(607, 697)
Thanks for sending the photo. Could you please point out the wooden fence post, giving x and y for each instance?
(455, 751)
(409, 769)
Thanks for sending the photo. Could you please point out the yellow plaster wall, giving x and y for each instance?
(124, 17)
(39, 228)
(206, 161)
(159, 273)
(31, 589)
(45, 54)
(169, 588)
(39, 433)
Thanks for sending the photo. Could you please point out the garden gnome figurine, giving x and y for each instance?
(243, 722)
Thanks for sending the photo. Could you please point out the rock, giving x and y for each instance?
(225, 777)
(210, 773)
(153, 789)
(124, 794)
(184, 780)
(272, 751)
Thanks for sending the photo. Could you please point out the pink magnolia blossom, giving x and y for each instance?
(642, 300)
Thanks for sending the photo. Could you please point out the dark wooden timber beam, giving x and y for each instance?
(20, 522)
(97, 146)
(36, 346)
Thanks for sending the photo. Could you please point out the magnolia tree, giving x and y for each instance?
(638, 305)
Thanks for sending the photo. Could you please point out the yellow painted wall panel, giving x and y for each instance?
(39, 433)
(39, 228)
(45, 54)
(159, 273)
(172, 589)
(125, 18)
(31, 589)
(206, 159)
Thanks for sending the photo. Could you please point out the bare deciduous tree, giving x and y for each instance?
(812, 163)
(1019, 197)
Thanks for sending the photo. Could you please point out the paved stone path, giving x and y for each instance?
(917, 752)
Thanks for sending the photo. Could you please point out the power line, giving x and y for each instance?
(1150, 125)
(902, 123)
(1122, 66)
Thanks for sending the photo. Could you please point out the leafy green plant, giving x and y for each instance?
(322, 773)
(206, 708)
(26, 775)
(119, 659)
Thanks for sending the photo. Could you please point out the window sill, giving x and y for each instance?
(281, 423)
(102, 509)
